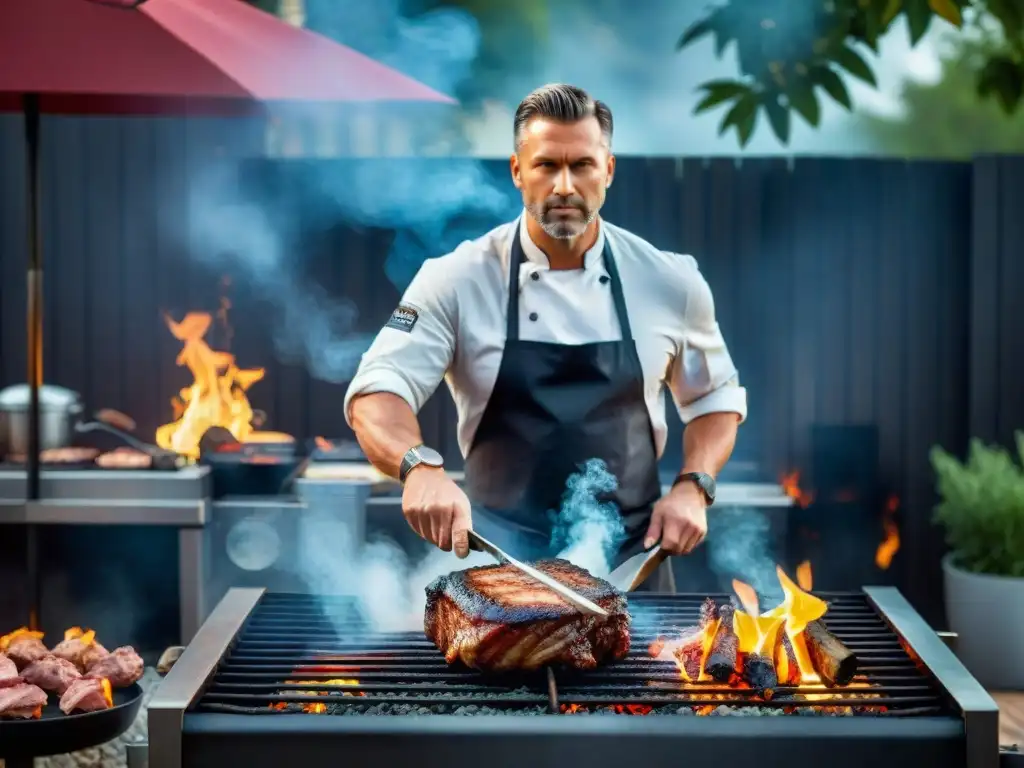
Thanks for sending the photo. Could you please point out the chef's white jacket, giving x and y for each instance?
(450, 325)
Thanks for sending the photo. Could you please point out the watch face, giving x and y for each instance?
(707, 483)
(429, 456)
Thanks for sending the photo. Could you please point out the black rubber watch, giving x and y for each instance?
(702, 480)
(418, 454)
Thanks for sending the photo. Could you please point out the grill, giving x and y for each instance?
(253, 688)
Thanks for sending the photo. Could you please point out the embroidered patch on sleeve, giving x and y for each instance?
(403, 318)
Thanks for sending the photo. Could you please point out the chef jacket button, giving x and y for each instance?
(535, 275)
(533, 315)
(604, 279)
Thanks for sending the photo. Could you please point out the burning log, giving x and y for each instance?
(759, 672)
(834, 662)
(689, 654)
(693, 644)
(722, 661)
(759, 662)
(787, 668)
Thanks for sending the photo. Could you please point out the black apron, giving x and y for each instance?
(553, 407)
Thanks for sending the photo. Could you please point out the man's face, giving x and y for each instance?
(563, 170)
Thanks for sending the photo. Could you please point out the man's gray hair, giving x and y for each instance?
(564, 104)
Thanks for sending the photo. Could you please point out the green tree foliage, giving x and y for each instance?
(947, 118)
(791, 53)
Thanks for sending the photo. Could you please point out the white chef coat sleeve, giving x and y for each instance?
(702, 377)
(413, 351)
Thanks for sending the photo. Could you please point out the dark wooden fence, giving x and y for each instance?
(851, 291)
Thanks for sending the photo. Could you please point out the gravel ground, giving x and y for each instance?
(111, 754)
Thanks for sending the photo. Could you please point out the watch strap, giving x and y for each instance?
(409, 461)
(702, 480)
(413, 458)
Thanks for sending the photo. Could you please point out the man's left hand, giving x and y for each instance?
(679, 520)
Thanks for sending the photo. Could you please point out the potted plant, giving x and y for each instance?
(982, 511)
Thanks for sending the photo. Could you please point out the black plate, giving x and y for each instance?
(56, 733)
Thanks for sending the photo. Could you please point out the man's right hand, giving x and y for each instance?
(437, 509)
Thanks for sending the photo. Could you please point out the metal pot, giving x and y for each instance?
(59, 410)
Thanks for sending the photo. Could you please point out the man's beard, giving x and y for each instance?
(557, 225)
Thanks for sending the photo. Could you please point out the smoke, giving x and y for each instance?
(587, 532)
(310, 327)
(431, 204)
(390, 586)
(739, 547)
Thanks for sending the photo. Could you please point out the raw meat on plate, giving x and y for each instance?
(51, 673)
(122, 667)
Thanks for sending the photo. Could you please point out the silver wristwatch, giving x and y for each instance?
(418, 454)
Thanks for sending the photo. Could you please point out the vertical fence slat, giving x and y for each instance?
(1011, 288)
(864, 270)
(14, 251)
(106, 376)
(986, 230)
(806, 276)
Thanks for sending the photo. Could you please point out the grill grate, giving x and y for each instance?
(290, 640)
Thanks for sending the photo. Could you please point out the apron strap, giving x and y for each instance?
(516, 258)
(617, 294)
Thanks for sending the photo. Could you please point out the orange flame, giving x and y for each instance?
(791, 487)
(618, 709)
(799, 609)
(88, 637)
(754, 632)
(19, 634)
(890, 545)
(108, 694)
(804, 576)
(317, 707)
(216, 397)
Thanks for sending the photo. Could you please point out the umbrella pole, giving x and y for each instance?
(35, 346)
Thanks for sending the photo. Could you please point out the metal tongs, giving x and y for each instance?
(634, 572)
(479, 544)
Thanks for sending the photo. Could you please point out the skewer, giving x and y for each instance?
(553, 707)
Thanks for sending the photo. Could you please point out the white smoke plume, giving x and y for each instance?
(739, 546)
(587, 531)
(390, 586)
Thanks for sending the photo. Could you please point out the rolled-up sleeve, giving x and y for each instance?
(414, 350)
(702, 376)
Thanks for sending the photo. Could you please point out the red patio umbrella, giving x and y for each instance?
(161, 56)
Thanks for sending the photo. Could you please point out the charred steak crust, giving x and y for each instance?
(495, 618)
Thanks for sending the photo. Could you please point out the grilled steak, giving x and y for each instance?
(122, 667)
(87, 694)
(496, 618)
(8, 672)
(51, 673)
(23, 646)
(23, 701)
(80, 648)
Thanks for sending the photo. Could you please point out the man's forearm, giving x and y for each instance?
(708, 442)
(386, 429)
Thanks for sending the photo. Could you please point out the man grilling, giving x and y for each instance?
(556, 334)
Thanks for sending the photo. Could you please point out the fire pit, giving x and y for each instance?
(276, 678)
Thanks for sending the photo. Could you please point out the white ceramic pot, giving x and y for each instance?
(987, 613)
